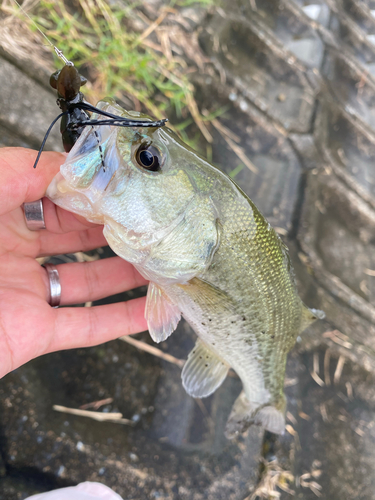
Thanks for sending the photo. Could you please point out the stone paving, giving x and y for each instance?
(297, 78)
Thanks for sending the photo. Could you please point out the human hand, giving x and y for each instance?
(29, 326)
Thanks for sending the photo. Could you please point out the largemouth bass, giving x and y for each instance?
(208, 252)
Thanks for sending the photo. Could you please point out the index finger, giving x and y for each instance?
(19, 181)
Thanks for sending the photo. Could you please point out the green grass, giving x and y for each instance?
(120, 62)
(233, 173)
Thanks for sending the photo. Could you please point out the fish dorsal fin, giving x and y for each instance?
(309, 316)
(203, 372)
(162, 316)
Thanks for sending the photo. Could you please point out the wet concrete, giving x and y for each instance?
(175, 449)
(25, 109)
(297, 82)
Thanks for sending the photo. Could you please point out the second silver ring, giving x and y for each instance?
(54, 285)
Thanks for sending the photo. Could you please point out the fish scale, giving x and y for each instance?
(208, 252)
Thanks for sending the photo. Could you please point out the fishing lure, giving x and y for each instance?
(74, 115)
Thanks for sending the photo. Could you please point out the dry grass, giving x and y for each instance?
(115, 418)
(17, 39)
(141, 55)
(274, 479)
(152, 350)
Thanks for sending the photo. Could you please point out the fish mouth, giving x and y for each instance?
(61, 194)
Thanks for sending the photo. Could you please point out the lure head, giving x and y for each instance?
(67, 82)
(151, 192)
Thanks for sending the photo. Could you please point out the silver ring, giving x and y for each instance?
(54, 285)
(34, 215)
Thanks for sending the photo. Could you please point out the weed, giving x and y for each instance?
(127, 53)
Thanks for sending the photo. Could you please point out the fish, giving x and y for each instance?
(209, 255)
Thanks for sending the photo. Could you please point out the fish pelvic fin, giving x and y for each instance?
(309, 316)
(244, 414)
(203, 371)
(161, 314)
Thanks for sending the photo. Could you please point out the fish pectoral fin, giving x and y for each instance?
(161, 314)
(245, 413)
(203, 372)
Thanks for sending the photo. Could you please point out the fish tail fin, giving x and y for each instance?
(272, 419)
(309, 316)
(244, 414)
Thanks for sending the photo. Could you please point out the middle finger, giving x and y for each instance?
(75, 241)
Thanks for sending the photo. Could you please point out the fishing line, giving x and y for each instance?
(58, 52)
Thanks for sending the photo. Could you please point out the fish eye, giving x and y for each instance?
(148, 157)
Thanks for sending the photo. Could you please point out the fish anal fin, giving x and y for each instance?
(161, 314)
(244, 414)
(203, 372)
